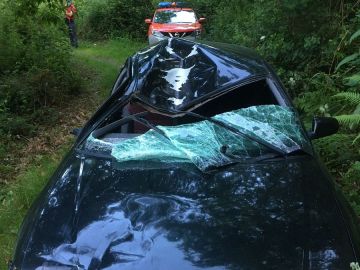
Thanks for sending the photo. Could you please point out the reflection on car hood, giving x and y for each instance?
(176, 72)
(201, 143)
(95, 215)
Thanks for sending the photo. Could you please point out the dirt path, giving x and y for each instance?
(101, 63)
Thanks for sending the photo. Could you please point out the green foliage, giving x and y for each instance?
(338, 151)
(352, 61)
(347, 59)
(17, 198)
(105, 59)
(341, 154)
(316, 95)
(353, 80)
(114, 18)
(12, 124)
(351, 186)
(351, 97)
(351, 121)
(36, 66)
(354, 36)
(291, 35)
(337, 94)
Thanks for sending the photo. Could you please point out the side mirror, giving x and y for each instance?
(323, 126)
(148, 21)
(76, 132)
(201, 20)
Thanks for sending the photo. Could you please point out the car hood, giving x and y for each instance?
(184, 27)
(97, 213)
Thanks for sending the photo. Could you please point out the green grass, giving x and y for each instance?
(16, 199)
(104, 60)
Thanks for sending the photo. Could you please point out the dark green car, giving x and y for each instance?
(197, 160)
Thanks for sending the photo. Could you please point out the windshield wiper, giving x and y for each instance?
(238, 132)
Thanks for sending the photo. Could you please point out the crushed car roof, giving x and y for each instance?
(176, 73)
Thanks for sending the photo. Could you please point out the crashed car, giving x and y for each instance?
(197, 160)
(174, 19)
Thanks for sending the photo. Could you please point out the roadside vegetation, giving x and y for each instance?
(34, 157)
(47, 88)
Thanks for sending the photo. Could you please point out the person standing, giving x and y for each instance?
(70, 12)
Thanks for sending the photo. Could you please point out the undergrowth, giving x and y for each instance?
(15, 199)
(98, 65)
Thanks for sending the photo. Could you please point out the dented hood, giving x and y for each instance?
(177, 73)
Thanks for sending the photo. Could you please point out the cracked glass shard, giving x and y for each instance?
(202, 143)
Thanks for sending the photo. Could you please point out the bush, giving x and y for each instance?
(351, 186)
(114, 18)
(338, 151)
(15, 125)
(36, 68)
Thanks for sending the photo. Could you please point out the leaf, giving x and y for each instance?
(351, 121)
(347, 59)
(354, 36)
(357, 137)
(353, 80)
(351, 97)
(357, 110)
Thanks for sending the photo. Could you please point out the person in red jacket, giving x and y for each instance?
(70, 12)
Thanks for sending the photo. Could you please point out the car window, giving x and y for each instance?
(171, 16)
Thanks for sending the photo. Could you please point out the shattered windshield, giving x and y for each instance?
(207, 145)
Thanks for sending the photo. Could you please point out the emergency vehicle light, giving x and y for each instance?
(173, 4)
(164, 4)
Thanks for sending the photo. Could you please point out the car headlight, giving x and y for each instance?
(156, 33)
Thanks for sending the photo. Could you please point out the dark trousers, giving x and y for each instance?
(72, 32)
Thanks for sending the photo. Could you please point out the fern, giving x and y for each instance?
(350, 120)
(352, 97)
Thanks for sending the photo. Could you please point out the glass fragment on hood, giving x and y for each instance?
(202, 143)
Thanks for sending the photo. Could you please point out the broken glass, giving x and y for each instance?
(208, 145)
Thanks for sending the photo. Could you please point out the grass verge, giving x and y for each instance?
(18, 197)
(101, 62)
(106, 60)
